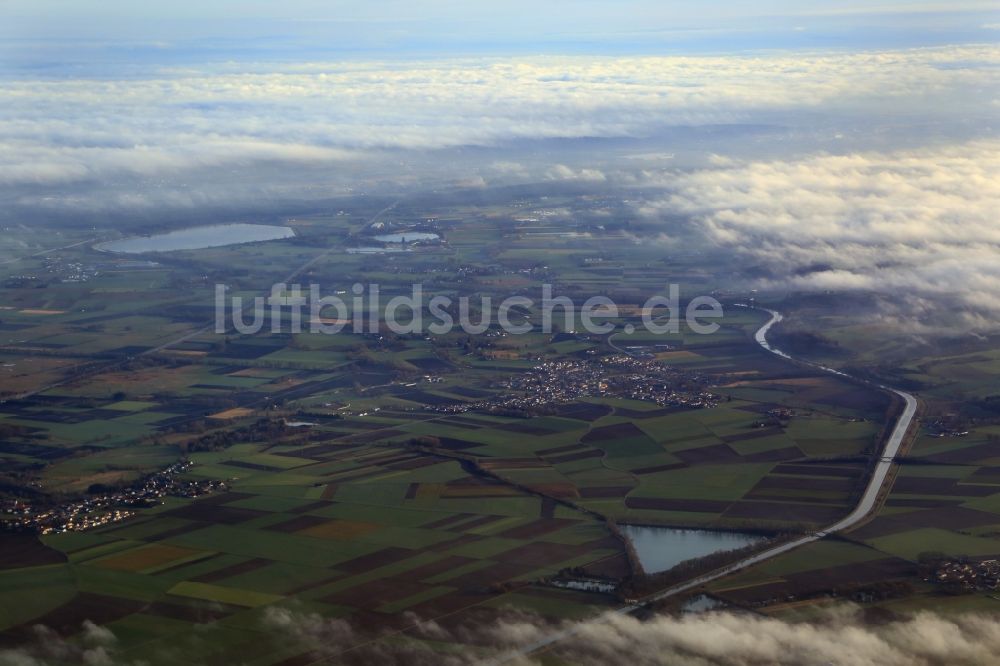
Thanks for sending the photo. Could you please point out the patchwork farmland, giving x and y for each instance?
(385, 484)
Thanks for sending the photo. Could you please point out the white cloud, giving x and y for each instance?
(563, 172)
(70, 130)
(912, 223)
(838, 639)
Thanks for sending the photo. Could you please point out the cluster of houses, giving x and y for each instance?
(70, 271)
(103, 508)
(969, 575)
(946, 428)
(618, 376)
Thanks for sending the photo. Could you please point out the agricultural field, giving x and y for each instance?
(386, 479)
(943, 505)
(331, 525)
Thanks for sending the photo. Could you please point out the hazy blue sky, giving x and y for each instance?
(50, 32)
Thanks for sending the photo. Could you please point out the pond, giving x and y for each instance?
(663, 548)
(406, 237)
(197, 238)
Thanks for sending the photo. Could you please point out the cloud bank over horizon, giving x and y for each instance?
(870, 170)
(65, 131)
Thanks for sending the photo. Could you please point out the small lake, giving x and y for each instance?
(197, 238)
(406, 237)
(663, 548)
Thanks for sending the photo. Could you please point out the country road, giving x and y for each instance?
(864, 507)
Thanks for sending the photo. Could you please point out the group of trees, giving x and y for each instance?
(259, 431)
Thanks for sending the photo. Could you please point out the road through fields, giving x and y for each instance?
(861, 511)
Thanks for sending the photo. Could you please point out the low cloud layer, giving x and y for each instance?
(230, 139)
(839, 637)
(166, 121)
(914, 225)
(93, 646)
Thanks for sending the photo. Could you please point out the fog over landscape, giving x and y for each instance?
(916, 224)
(871, 170)
(165, 121)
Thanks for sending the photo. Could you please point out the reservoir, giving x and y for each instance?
(663, 548)
(197, 238)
